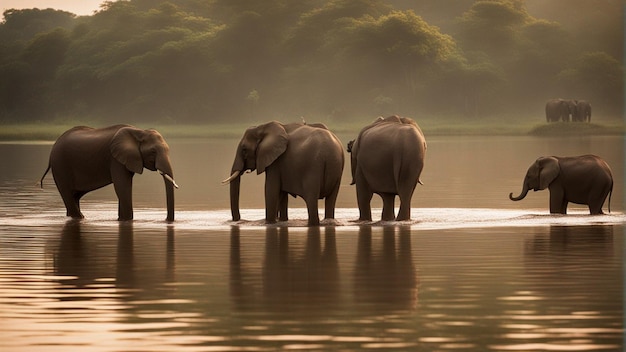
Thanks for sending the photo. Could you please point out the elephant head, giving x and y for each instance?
(539, 176)
(259, 147)
(138, 149)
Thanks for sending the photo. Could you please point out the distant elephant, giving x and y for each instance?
(585, 179)
(387, 158)
(84, 159)
(582, 112)
(558, 110)
(298, 159)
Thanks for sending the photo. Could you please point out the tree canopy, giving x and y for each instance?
(223, 60)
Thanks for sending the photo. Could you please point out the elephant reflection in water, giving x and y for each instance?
(291, 280)
(576, 241)
(310, 281)
(386, 279)
(577, 265)
(84, 254)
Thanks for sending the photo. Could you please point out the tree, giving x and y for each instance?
(596, 77)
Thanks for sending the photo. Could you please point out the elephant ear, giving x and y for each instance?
(273, 143)
(125, 148)
(549, 169)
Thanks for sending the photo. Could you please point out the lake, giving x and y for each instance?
(472, 270)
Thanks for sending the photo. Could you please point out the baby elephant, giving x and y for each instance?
(585, 179)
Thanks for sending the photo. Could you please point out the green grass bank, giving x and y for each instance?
(47, 131)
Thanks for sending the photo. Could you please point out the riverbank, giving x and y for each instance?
(47, 131)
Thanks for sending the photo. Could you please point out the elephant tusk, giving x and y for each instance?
(169, 178)
(232, 177)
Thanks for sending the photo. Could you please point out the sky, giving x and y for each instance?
(78, 7)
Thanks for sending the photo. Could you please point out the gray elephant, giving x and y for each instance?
(558, 110)
(387, 158)
(585, 179)
(582, 113)
(84, 159)
(298, 159)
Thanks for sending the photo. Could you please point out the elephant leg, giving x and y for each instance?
(388, 206)
(329, 203)
(312, 208)
(596, 203)
(558, 203)
(123, 184)
(364, 197)
(405, 194)
(77, 198)
(595, 209)
(282, 206)
(272, 196)
(72, 205)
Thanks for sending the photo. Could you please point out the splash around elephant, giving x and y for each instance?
(298, 159)
(387, 158)
(585, 179)
(84, 159)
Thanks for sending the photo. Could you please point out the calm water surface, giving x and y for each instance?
(473, 270)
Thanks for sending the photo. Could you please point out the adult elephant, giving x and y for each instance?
(387, 158)
(582, 112)
(298, 159)
(558, 110)
(84, 159)
(585, 179)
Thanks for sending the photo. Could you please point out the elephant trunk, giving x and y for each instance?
(169, 194)
(165, 169)
(235, 183)
(521, 196)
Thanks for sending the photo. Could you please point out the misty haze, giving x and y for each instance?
(471, 270)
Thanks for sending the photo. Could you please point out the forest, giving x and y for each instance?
(199, 61)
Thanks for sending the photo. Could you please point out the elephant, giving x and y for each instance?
(387, 158)
(585, 179)
(298, 159)
(84, 159)
(558, 109)
(582, 112)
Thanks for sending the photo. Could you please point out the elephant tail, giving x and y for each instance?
(610, 194)
(40, 183)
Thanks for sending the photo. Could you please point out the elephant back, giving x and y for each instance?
(318, 138)
(388, 143)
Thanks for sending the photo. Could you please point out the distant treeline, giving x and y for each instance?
(194, 61)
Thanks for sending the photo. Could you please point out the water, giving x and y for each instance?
(471, 271)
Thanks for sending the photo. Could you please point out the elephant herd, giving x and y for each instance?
(307, 161)
(304, 160)
(562, 109)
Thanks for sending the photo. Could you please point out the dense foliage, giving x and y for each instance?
(225, 60)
